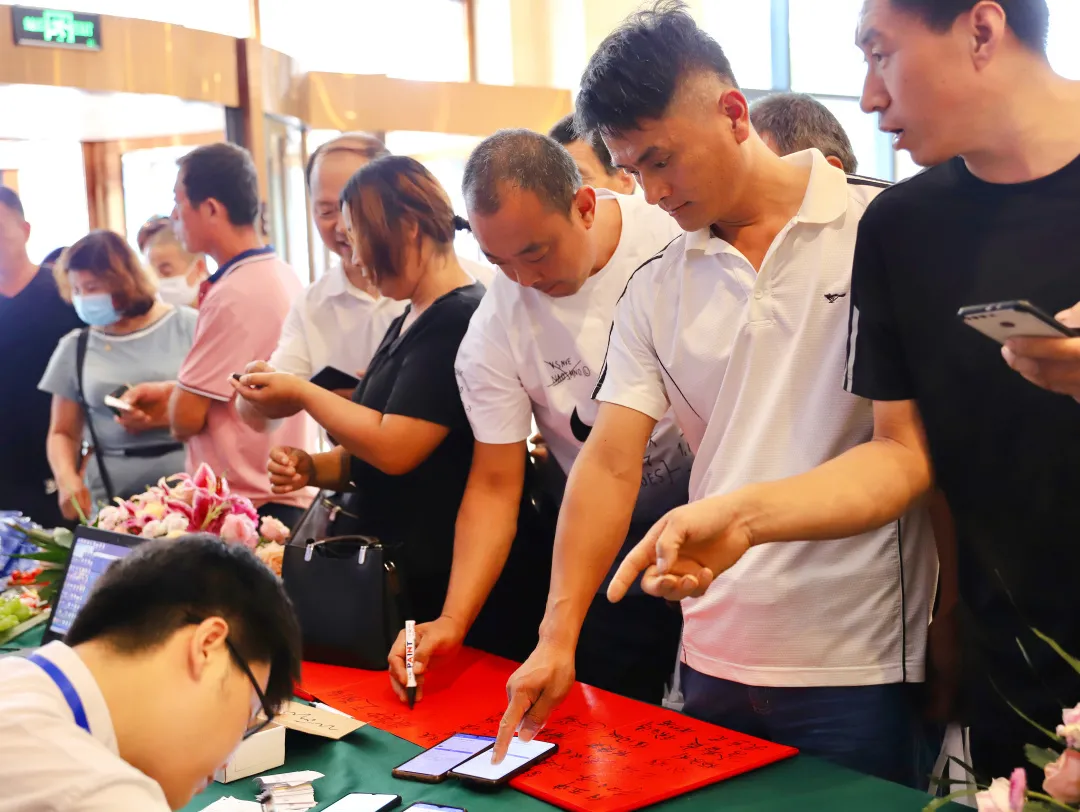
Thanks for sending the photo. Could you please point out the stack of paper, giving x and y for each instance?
(287, 792)
(230, 804)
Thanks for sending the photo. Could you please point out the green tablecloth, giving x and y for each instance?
(362, 761)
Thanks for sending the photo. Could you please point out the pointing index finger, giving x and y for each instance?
(519, 706)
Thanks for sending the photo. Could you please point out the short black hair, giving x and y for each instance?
(1028, 19)
(565, 132)
(226, 173)
(521, 159)
(635, 73)
(798, 121)
(144, 598)
(10, 198)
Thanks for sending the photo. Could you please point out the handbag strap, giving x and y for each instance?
(80, 362)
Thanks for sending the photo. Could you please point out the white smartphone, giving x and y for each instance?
(519, 758)
(1016, 319)
(117, 404)
(364, 802)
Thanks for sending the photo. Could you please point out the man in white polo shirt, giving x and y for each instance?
(178, 649)
(534, 348)
(740, 328)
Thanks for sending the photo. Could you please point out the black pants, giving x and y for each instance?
(629, 647)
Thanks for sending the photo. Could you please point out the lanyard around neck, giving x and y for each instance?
(71, 696)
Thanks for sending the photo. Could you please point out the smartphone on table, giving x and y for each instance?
(364, 802)
(334, 379)
(520, 758)
(1014, 319)
(421, 806)
(434, 764)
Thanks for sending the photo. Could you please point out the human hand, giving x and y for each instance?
(149, 406)
(440, 638)
(274, 394)
(684, 551)
(290, 469)
(72, 491)
(1051, 363)
(539, 451)
(534, 691)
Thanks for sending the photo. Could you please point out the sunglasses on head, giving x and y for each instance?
(241, 663)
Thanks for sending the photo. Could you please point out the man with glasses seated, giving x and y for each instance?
(183, 649)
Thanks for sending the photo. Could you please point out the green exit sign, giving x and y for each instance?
(53, 27)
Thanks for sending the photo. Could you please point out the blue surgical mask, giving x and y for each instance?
(96, 309)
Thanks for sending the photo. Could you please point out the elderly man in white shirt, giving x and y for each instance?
(341, 318)
(165, 670)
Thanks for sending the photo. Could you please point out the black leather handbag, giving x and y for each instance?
(345, 588)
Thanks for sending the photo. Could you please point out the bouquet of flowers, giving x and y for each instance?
(1060, 765)
(202, 503)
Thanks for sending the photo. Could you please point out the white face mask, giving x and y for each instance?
(175, 290)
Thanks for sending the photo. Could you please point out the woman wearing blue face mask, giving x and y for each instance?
(131, 337)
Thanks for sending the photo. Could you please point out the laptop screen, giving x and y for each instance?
(92, 552)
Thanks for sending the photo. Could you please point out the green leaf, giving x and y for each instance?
(59, 556)
(1038, 806)
(937, 803)
(1040, 756)
(1072, 661)
(1053, 736)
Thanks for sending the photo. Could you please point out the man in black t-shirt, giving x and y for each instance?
(33, 318)
(998, 223)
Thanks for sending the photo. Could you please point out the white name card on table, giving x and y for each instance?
(289, 779)
(330, 724)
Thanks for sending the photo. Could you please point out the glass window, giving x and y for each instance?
(52, 187)
(149, 176)
(1064, 23)
(494, 43)
(406, 39)
(863, 132)
(231, 17)
(744, 30)
(824, 57)
(905, 167)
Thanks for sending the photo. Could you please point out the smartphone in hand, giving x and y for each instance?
(1014, 319)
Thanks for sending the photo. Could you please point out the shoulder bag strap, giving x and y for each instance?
(80, 362)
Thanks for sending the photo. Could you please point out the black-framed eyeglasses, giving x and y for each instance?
(241, 663)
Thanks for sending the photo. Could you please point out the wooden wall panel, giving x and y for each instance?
(103, 163)
(347, 102)
(137, 56)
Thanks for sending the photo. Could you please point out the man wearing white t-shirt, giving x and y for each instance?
(534, 349)
(740, 329)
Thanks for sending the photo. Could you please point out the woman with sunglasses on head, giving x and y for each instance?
(405, 445)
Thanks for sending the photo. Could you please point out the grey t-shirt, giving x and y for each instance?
(154, 353)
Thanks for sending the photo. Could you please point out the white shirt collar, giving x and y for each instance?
(338, 284)
(826, 200)
(97, 712)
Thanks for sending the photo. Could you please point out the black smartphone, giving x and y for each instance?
(333, 379)
(519, 758)
(421, 806)
(364, 802)
(433, 765)
(1014, 319)
(114, 402)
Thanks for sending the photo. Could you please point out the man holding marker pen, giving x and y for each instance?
(534, 348)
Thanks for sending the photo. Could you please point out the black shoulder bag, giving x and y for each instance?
(80, 362)
(346, 589)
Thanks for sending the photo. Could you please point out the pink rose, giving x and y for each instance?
(1017, 789)
(273, 530)
(153, 529)
(176, 523)
(113, 518)
(239, 530)
(1070, 730)
(1063, 778)
(997, 797)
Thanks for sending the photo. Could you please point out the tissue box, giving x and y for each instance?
(263, 751)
